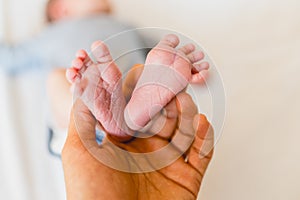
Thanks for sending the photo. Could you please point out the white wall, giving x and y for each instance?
(2, 20)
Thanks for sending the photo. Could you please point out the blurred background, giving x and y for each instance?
(255, 45)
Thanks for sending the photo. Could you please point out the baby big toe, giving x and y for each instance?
(101, 52)
(170, 40)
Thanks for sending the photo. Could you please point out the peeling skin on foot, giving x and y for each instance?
(162, 76)
(167, 71)
(99, 86)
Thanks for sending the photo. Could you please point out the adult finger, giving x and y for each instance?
(81, 129)
(201, 150)
(185, 133)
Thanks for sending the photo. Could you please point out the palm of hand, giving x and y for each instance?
(87, 178)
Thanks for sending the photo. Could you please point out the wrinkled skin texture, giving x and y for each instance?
(87, 178)
(167, 71)
(99, 85)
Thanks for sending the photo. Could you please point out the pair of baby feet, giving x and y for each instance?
(167, 71)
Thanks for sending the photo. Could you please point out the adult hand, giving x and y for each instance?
(87, 177)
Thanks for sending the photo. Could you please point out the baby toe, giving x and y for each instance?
(187, 49)
(196, 56)
(201, 66)
(81, 54)
(71, 75)
(200, 77)
(77, 63)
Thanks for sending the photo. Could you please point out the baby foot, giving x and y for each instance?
(99, 86)
(167, 71)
